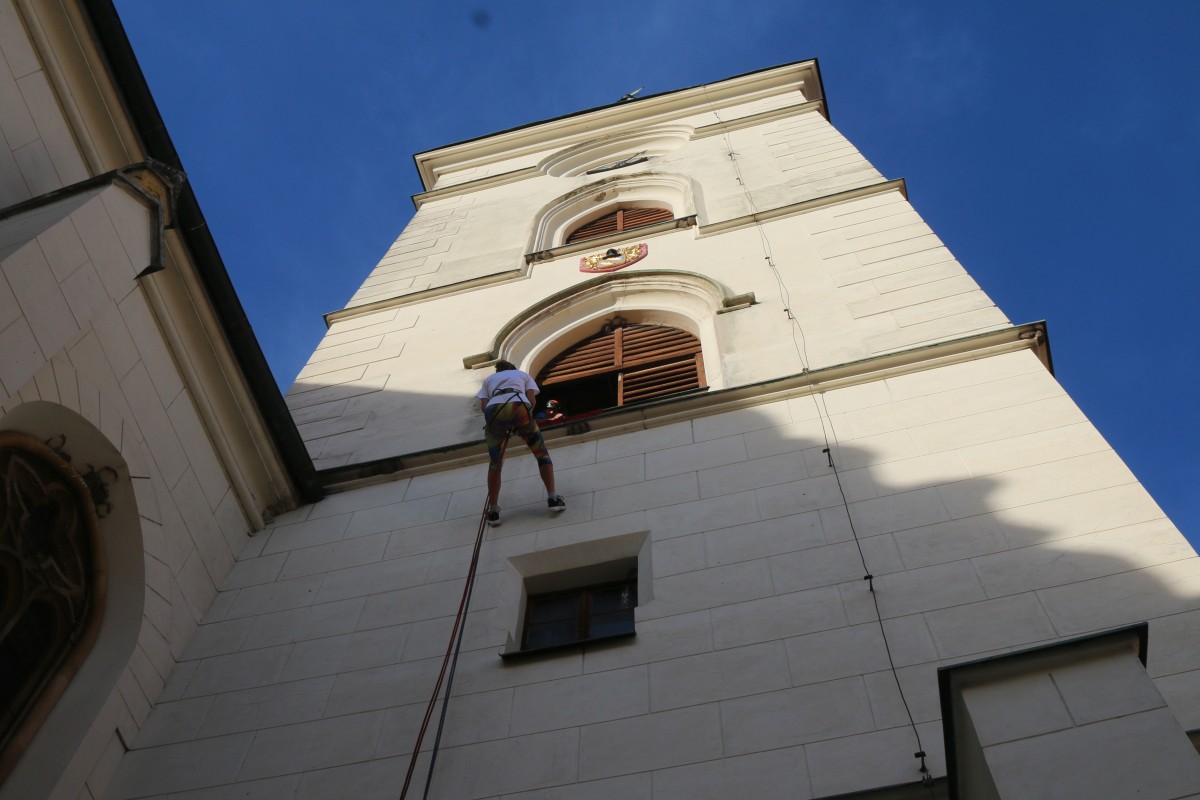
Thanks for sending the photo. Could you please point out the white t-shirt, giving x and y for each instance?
(509, 379)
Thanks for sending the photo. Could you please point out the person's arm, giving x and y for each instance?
(531, 390)
(482, 404)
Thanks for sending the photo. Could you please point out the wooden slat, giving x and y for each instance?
(636, 334)
(648, 361)
(675, 376)
(623, 219)
(657, 390)
(661, 379)
(659, 355)
(655, 342)
(571, 376)
(590, 357)
(662, 371)
(673, 365)
(650, 337)
(637, 217)
(654, 333)
(597, 227)
(647, 343)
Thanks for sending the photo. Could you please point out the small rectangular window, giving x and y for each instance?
(579, 615)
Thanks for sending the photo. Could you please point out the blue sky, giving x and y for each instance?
(1052, 146)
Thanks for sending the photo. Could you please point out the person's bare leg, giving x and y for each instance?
(493, 485)
(547, 473)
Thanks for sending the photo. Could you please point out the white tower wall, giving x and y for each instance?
(991, 514)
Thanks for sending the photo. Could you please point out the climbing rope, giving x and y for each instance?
(449, 661)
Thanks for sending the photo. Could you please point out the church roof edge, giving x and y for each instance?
(428, 161)
(142, 110)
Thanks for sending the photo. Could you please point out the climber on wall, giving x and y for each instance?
(506, 400)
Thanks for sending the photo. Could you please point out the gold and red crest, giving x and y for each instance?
(613, 259)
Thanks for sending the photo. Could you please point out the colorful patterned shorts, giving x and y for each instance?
(502, 419)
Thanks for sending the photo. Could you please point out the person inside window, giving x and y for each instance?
(552, 414)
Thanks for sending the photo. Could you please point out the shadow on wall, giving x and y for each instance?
(347, 423)
(328, 634)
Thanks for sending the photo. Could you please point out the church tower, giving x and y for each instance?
(827, 506)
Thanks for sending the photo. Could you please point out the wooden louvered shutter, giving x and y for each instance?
(648, 361)
(590, 357)
(657, 360)
(637, 217)
(597, 227)
(622, 219)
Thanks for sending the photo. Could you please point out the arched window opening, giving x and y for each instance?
(624, 363)
(623, 219)
(51, 591)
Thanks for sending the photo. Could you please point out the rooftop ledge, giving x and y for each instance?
(1030, 336)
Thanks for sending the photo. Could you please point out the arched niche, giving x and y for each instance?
(647, 190)
(47, 748)
(643, 144)
(676, 299)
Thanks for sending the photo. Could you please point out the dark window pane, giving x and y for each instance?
(554, 607)
(590, 612)
(611, 624)
(613, 598)
(23, 650)
(551, 633)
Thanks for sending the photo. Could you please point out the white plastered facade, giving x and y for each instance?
(122, 370)
(990, 512)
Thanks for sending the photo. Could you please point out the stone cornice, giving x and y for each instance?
(804, 206)
(466, 187)
(1030, 336)
(427, 294)
(564, 131)
(598, 243)
(716, 129)
(719, 128)
(601, 241)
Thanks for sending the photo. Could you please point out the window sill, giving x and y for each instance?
(517, 655)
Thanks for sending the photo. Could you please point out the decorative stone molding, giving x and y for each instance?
(679, 299)
(641, 144)
(648, 189)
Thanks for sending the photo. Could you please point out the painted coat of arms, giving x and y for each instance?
(613, 259)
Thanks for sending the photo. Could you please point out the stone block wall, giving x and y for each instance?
(991, 514)
(84, 356)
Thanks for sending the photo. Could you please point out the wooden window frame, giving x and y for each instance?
(583, 615)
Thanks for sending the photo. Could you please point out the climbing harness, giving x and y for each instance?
(506, 427)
